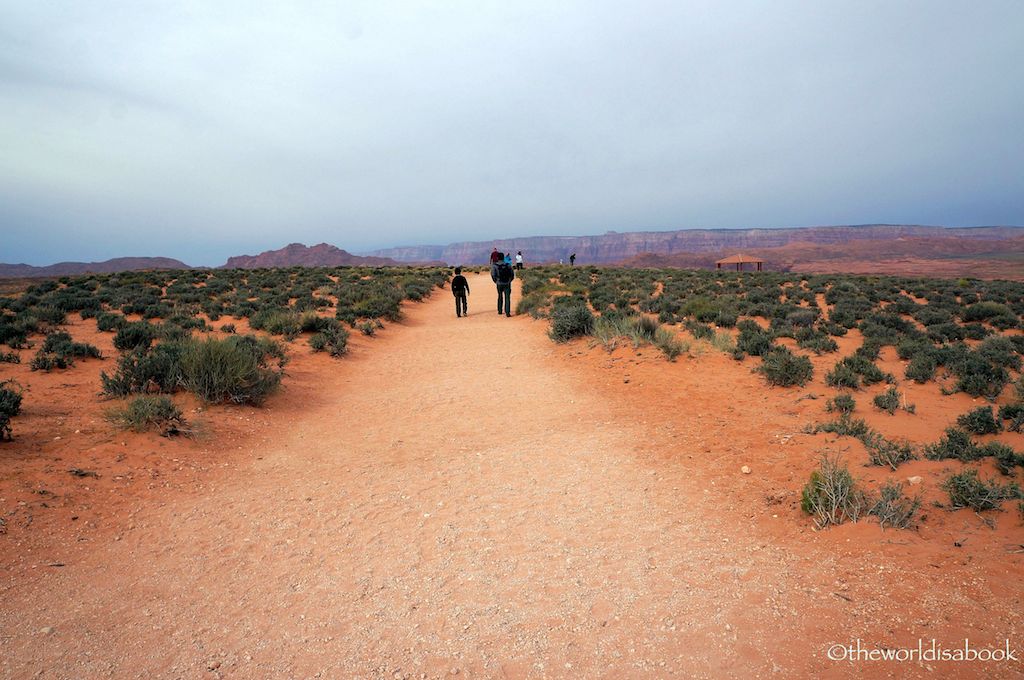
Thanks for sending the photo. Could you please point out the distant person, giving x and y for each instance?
(508, 260)
(561, 261)
(572, 260)
(460, 289)
(495, 256)
(502, 274)
(519, 260)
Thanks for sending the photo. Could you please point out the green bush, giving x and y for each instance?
(842, 376)
(832, 496)
(157, 370)
(888, 401)
(572, 321)
(10, 406)
(134, 336)
(333, 340)
(1015, 414)
(967, 490)
(149, 413)
(955, 443)
(894, 509)
(753, 340)
(921, 368)
(841, 403)
(980, 421)
(785, 369)
(232, 370)
(59, 351)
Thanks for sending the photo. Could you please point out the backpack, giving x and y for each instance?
(459, 285)
(505, 274)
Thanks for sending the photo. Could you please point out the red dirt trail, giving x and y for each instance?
(465, 498)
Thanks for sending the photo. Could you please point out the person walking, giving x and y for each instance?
(495, 256)
(502, 274)
(572, 260)
(460, 289)
(519, 260)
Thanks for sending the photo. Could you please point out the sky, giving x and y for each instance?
(200, 130)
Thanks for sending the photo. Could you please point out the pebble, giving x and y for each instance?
(915, 480)
(46, 630)
(745, 469)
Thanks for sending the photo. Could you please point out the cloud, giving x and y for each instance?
(201, 130)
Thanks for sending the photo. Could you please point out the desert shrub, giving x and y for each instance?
(148, 412)
(60, 351)
(980, 421)
(277, 322)
(982, 311)
(869, 350)
(967, 490)
(841, 403)
(700, 331)
(572, 321)
(753, 340)
(832, 496)
(888, 401)
(228, 328)
(845, 426)
(815, 341)
(10, 406)
(783, 368)
(670, 345)
(1015, 414)
(955, 443)
(893, 508)
(887, 452)
(842, 376)
(922, 367)
(158, 370)
(134, 336)
(723, 342)
(1000, 351)
(232, 370)
(1005, 457)
(979, 378)
(10, 358)
(109, 321)
(333, 340)
(367, 328)
(532, 303)
(867, 370)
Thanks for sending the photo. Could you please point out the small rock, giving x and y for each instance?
(46, 630)
(56, 439)
(914, 481)
(745, 469)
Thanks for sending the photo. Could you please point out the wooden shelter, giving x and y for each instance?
(740, 260)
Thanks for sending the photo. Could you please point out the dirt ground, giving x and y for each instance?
(465, 498)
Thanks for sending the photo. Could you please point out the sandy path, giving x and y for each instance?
(455, 501)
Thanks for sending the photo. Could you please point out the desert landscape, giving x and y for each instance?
(538, 341)
(616, 482)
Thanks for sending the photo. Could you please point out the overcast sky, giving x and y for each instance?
(200, 130)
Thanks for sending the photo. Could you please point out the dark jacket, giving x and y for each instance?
(460, 286)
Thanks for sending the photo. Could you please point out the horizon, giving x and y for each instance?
(371, 252)
(220, 130)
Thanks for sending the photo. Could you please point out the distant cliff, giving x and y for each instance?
(297, 254)
(616, 247)
(118, 264)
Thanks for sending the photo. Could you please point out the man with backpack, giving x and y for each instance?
(460, 289)
(502, 274)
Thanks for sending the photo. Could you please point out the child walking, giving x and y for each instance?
(460, 289)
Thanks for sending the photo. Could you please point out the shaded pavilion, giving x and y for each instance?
(739, 261)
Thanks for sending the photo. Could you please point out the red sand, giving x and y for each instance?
(464, 497)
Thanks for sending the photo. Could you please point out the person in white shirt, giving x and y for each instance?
(519, 260)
